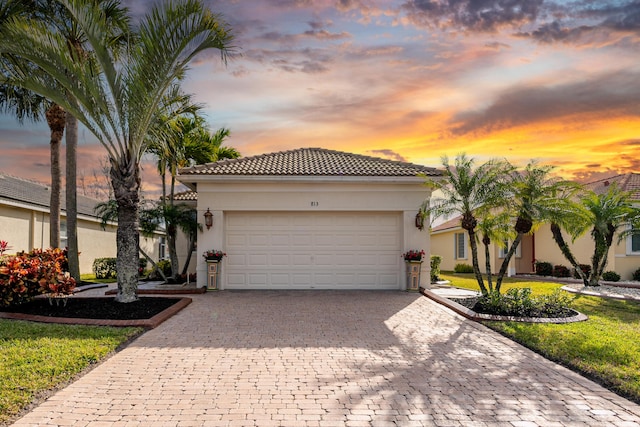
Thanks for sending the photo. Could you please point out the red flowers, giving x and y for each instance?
(413, 255)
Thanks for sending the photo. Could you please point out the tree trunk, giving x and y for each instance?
(566, 251)
(474, 260)
(192, 244)
(56, 119)
(507, 259)
(487, 261)
(172, 232)
(153, 263)
(71, 197)
(125, 179)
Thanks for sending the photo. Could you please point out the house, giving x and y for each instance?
(24, 223)
(310, 218)
(451, 242)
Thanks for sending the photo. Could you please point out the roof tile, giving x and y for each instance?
(311, 162)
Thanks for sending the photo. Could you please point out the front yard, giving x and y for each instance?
(605, 348)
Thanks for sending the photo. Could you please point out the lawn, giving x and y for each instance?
(37, 357)
(90, 277)
(605, 348)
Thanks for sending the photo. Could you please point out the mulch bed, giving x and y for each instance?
(146, 312)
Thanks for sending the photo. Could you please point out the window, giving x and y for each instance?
(504, 249)
(460, 246)
(63, 233)
(633, 244)
(162, 249)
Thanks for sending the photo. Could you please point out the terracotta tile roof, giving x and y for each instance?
(310, 162)
(21, 190)
(448, 225)
(186, 196)
(627, 182)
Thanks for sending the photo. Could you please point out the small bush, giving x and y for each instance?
(435, 268)
(560, 271)
(544, 268)
(519, 302)
(611, 276)
(463, 268)
(26, 275)
(636, 275)
(105, 268)
(165, 266)
(586, 269)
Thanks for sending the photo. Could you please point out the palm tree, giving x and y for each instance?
(115, 100)
(470, 192)
(494, 227)
(612, 213)
(537, 196)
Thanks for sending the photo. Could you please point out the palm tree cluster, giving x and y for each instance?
(116, 90)
(497, 201)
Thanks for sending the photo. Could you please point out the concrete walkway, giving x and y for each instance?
(328, 358)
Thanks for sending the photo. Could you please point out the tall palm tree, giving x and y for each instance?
(115, 100)
(537, 196)
(470, 192)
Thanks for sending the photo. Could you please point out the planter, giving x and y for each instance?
(413, 275)
(213, 268)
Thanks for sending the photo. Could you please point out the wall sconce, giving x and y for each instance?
(420, 220)
(208, 219)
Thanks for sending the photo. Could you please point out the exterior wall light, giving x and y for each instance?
(208, 219)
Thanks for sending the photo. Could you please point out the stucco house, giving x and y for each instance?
(310, 218)
(24, 223)
(451, 242)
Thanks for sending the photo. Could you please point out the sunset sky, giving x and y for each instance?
(558, 81)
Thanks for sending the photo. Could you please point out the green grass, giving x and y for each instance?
(35, 357)
(605, 348)
(90, 277)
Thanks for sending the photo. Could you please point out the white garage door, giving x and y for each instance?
(312, 250)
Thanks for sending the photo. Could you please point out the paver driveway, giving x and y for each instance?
(328, 358)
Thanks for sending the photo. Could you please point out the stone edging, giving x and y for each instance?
(144, 323)
(472, 315)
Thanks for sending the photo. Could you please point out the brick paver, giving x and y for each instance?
(328, 358)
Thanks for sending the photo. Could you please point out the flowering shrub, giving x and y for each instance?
(105, 268)
(213, 254)
(26, 275)
(4, 246)
(413, 255)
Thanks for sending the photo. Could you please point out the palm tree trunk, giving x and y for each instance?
(507, 260)
(125, 179)
(56, 118)
(71, 197)
(474, 260)
(566, 251)
(192, 244)
(487, 264)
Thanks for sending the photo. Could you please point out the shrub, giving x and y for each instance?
(560, 271)
(611, 276)
(463, 268)
(544, 268)
(435, 267)
(105, 268)
(586, 269)
(26, 275)
(519, 302)
(636, 275)
(165, 266)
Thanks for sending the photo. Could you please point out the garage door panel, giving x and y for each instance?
(310, 250)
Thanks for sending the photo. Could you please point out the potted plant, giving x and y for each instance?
(413, 259)
(213, 255)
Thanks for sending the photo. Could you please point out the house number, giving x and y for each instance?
(315, 204)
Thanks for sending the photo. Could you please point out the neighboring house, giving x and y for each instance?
(24, 223)
(310, 219)
(451, 242)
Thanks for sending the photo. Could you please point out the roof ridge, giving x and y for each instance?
(19, 178)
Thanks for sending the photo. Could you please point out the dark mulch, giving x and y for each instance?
(95, 308)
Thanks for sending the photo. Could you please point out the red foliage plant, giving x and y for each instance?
(26, 275)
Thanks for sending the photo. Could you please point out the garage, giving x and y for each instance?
(310, 218)
(312, 250)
